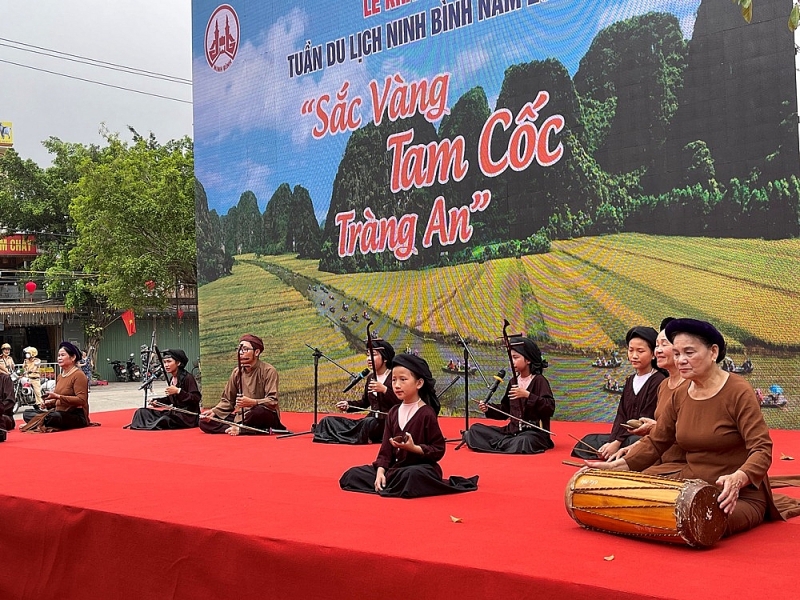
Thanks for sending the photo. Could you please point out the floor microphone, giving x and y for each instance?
(497, 380)
(357, 378)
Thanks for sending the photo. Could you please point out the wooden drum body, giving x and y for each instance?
(648, 506)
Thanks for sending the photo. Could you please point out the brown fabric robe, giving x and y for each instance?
(718, 435)
(259, 382)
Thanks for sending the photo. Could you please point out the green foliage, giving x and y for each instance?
(243, 232)
(110, 219)
(648, 53)
(134, 215)
(213, 261)
(743, 209)
(289, 223)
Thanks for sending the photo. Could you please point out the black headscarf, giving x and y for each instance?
(386, 351)
(528, 348)
(702, 329)
(179, 356)
(648, 334)
(664, 322)
(71, 349)
(419, 367)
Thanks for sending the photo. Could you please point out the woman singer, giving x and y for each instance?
(67, 406)
(182, 392)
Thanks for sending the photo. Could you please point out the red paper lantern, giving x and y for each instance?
(30, 287)
(179, 312)
(150, 284)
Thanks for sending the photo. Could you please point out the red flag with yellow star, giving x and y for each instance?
(130, 321)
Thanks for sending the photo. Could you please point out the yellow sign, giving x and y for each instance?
(6, 135)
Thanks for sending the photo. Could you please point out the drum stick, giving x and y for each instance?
(592, 448)
(572, 463)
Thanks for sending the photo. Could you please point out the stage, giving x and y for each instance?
(111, 513)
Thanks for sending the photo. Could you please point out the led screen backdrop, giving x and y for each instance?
(436, 167)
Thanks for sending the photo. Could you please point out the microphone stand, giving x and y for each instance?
(467, 356)
(316, 354)
(147, 367)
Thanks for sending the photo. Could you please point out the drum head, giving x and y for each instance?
(700, 520)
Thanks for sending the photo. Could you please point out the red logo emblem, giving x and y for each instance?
(222, 38)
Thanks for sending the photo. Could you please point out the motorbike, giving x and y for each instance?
(134, 372)
(120, 370)
(23, 389)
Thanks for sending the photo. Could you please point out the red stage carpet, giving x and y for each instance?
(109, 513)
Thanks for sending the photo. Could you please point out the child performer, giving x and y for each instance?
(530, 400)
(378, 395)
(639, 397)
(407, 463)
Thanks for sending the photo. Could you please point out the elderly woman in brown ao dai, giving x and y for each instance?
(716, 420)
(67, 406)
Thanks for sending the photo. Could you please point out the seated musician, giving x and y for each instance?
(528, 399)
(413, 444)
(7, 422)
(378, 395)
(257, 406)
(673, 459)
(67, 406)
(639, 397)
(717, 422)
(182, 392)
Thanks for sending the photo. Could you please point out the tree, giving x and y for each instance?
(212, 260)
(133, 213)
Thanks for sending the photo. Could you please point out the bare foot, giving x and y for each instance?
(233, 430)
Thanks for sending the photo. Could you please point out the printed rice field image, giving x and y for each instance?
(577, 301)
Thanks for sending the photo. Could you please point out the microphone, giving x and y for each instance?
(355, 379)
(497, 380)
(153, 376)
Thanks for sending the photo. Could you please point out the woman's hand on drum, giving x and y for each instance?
(609, 449)
(647, 426)
(621, 452)
(614, 465)
(731, 484)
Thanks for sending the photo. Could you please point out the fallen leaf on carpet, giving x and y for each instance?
(455, 519)
(608, 557)
(786, 457)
